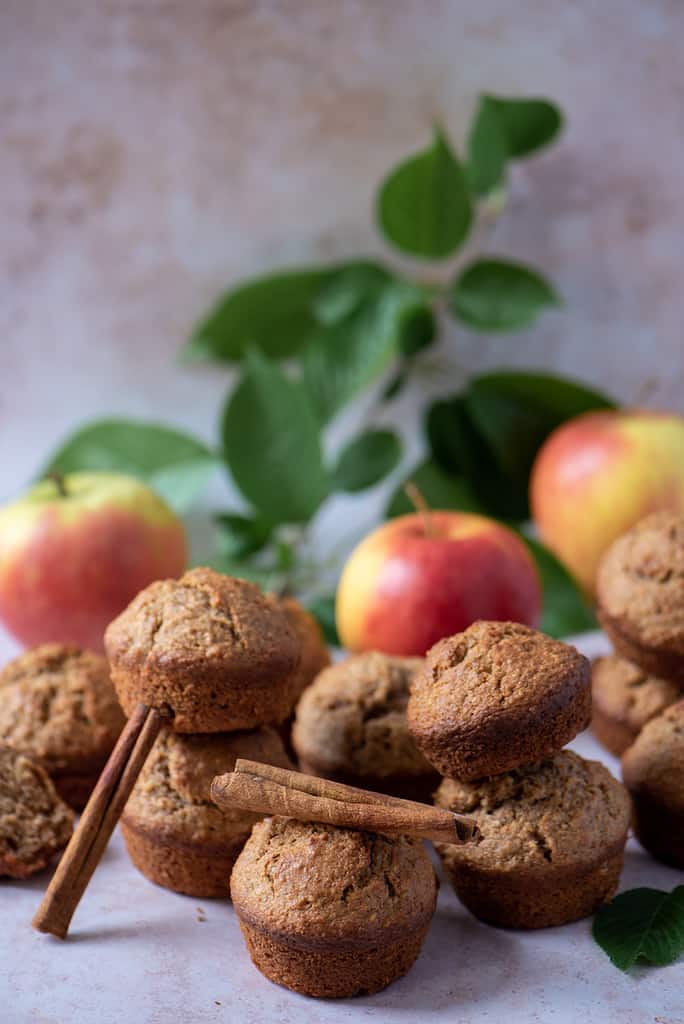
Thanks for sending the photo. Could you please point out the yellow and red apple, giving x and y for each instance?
(75, 551)
(421, 577)
(597, 475)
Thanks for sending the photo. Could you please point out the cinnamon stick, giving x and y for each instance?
(98, 821)
(266, 789)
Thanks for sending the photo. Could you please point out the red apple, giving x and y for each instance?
(424, 576)
(598, 474)
(74, 552)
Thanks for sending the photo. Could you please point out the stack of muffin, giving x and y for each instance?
(229, 663)
(639, 692)
(491, 711)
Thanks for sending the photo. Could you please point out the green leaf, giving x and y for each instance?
(643, 924)
(528, 124)
(424, 206)
(323, 610)
(274, 314)
(565, 610)
(487, 148)
(418, 331)
(346, 288)
(439, 489)
(272, 445)
(175, 465)
(346, 357)
(366, 460)
(496, 295)
(240, 536)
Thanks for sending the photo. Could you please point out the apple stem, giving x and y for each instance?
(417, 499)
(58, 480)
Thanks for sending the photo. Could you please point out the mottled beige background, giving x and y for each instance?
(152, 151)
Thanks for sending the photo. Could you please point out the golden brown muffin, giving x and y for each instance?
(211, 648)
(35, 824)
(350, 726)
(329, 911)
(552, 846)
(640, 593)
(497, 696)
(175, 835)
(653, 771)
(624, 698)
(58, 706)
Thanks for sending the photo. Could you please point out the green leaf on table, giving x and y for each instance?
(418, 331)
(497, 295)
(366, 460)
(346, 287)
(487, 148)
(344, 358)
(424, 206)
(440, 490)
(274, 314)
(323, 610)
(174, 464)
(272, 444)
(239, 536)
(565, 610)
(528, 124)
(642, 924)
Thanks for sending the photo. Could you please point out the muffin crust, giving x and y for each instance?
(624, 699)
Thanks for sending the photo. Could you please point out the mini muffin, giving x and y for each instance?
(58, 706)
(640, 593)
(329, 911)
(552, 846)
(653, 771)
(497, 696)
(211, 648)
(35, 823)
(175, 835)
(314, 653)
(351, 726)
(624, 699)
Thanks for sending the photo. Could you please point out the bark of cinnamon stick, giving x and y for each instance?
(98, 821)
(266, 789)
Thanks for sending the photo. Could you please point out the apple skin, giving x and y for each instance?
(597, 475)
(401, 590)
(70, 564)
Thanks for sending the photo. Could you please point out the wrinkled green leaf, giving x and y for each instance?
(239, 536)
(366, 460)
(496, 295)
(175, 465)
(487, 148)
(346, 288)
(323, 610)
(440, 490)
(424, 206)
(646, 924)
(528, 124)
(565, 610)
(272, 445)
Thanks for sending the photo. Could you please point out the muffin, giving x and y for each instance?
(640, 594)
(329, 911)
(211, 648)
(350, 726)
(175, 835)
(496, 697)
(653, 771)
(552, 846)
(314, 653)
(624, 699)
(35, 823)
(58, 706)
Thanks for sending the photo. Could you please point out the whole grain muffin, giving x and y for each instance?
(35, 823)
(175, 835)
(640, 593)
(58, 706)
(552, 846)
(653, 771)
(624, 698)
(350, 726)
(497, 696)
(211, 648)
(329, 911)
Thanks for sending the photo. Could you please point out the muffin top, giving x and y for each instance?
(654, 765)
(318, 885)
(171, 795)
(34, 822)
(625, 692)
(564, 811)
(640, 582)
(314, 653)
(58, 705)
(352, 719)
(204, 626)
